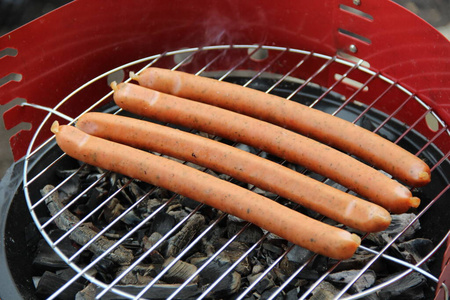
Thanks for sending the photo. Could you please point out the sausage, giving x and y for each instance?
(246, 167)
(310, 122)
(230, 198)
(284, 143)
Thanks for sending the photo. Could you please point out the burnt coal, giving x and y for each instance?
(264, 282)
(163, 223)
(325, 290)
(181, 239)
(364, 282)
(230, 283)
(299, 255)
(51, 282)
(251, 235)
(415, 250)
(47, 259)
(411, 287)
(179, 272)
(251, 267)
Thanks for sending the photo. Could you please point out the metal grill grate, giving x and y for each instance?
(366, 92)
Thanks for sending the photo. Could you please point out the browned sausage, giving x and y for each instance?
(284, 143)
(313, 123)
(244, 166)
(270, 215)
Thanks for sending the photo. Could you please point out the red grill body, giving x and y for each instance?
(63, 49)
(50, 57)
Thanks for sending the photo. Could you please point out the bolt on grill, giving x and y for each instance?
(377, 103)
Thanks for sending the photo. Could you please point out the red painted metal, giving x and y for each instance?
(445, 275)
(61, 50)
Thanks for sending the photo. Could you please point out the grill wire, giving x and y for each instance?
(186, 56)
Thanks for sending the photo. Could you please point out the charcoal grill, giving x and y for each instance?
(342, 57)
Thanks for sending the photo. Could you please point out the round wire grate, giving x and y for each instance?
(297, 75)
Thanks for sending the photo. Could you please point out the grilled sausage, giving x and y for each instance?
(284, 143)
(270, 215)
(246, 167)
(310, 122)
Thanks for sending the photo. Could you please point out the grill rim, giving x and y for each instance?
(154, 59)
